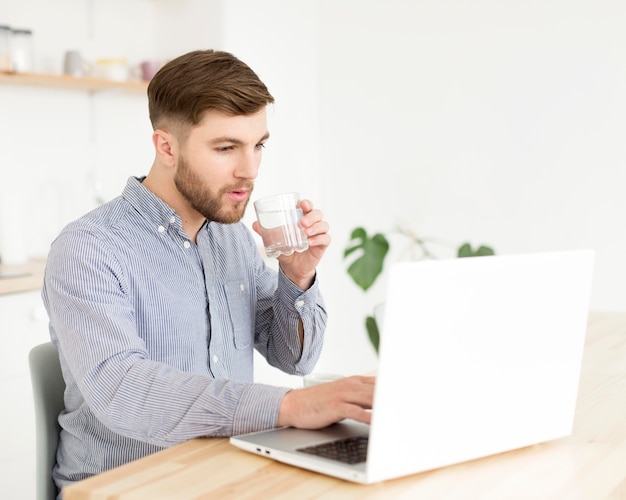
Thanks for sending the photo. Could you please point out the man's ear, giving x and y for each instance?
(165, 146)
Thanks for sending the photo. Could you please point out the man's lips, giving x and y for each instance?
(238, 195)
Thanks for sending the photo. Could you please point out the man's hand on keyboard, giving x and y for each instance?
(324, 404)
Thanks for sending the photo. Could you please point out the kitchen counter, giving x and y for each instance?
(22, 278)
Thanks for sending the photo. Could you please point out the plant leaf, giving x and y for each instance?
(372, 332)
(349, 250)
(484, 250)
(365, 269)
(466, 250)
(357, 234)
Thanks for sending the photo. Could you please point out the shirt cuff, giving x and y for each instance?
(258, 408)
(293, 298)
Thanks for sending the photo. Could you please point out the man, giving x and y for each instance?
(157, 299)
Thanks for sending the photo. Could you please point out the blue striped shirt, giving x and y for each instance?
(156, 333)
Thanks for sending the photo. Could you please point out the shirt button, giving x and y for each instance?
(299, 304)
(172, 219)
(186, 244)
(160, 229)
(215, 358)
(241, 287)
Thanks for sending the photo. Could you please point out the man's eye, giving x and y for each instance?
(225, 149)
(260, 146)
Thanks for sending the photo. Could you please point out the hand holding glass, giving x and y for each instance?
(279, 217)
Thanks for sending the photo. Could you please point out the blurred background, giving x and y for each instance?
(498, 123)
(490, 122)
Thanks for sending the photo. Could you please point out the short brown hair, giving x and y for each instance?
(188, 86)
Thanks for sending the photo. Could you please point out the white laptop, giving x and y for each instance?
(477, 356)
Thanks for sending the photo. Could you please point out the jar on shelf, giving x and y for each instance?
(22, 50)
(114, 68)
(5, 48)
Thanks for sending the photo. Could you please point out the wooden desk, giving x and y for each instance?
(590, 464)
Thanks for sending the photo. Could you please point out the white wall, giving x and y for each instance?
(185, 25)
(488, 121)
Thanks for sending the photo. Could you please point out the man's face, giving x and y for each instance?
(218, 162)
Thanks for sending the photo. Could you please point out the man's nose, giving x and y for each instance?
(248, 167)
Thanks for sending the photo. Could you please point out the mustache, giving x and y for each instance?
(243, 186)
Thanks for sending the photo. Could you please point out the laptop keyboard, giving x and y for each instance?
(351, 450)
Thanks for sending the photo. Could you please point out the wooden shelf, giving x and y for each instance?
(69, 82)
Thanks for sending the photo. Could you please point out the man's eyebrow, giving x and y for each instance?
(234, 140)
(224, 139)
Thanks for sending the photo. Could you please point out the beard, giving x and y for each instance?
(202, 199)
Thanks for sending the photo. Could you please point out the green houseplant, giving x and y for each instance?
(369, 263)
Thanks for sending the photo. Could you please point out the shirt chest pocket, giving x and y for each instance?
(239, 299)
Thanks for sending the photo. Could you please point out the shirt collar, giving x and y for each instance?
(149, 205)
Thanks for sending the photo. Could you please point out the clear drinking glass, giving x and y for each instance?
(279, 218)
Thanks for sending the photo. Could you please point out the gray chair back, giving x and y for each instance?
(48, 388)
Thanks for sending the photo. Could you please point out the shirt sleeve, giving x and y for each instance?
(279, 310)
(107, 366)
